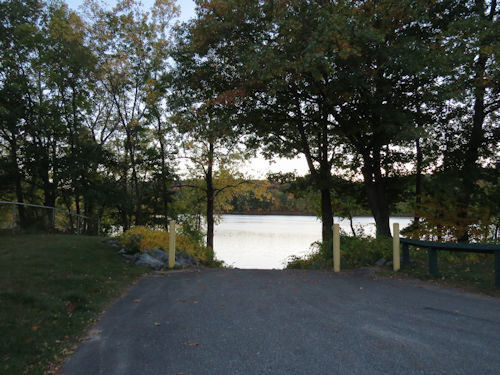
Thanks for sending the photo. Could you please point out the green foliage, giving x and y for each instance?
(132, 243)
(468, 271)
(442, 216)
(354, 252)
(92, 115)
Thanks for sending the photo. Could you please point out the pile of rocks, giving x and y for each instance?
(156, 259)
(383, 262)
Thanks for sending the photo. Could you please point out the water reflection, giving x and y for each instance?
(254, 241)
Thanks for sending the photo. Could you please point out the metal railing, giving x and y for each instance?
(45, 218)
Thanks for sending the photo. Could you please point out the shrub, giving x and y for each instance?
(354, 252)
(364, 251)
(141, 238)
(131, 243)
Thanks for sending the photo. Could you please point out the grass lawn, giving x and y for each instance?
(52, 288)
(471, 272)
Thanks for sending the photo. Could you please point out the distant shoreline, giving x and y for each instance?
(294, 213)
(278, 213)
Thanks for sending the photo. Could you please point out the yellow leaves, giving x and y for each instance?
(442, 219)
(151, 239)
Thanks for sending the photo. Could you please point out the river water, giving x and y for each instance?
(267, 241)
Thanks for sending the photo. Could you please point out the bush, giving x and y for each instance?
(354, 252)
(141, 238)
(131, 243)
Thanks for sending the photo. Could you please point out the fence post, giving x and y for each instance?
(395, 247)
(13, 224)
(53, 219)
(171, 250)
(336, 247)
(406, 253)
(433, 262)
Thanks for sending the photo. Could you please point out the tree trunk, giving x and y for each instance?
(418, 183)
(352, 226)
(136, 199)
(326, 215)
(17, 182)
(375, 189)
(163, 176)
(124, 218)
(378, 206)
(323, 176)
(49, 190)
(210, 197)
(139, 220)
(91, 222)
(469, 173)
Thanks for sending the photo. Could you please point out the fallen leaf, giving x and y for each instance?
(195, 301)
(190, 343)
(136, 300)
(156, 324)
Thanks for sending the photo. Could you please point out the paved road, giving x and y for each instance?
(291, 322)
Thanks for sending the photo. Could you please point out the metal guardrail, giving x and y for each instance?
(68, 222)
(433, 247)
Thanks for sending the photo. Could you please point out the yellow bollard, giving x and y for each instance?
(171, 249)
(336, 247)
(395, 247)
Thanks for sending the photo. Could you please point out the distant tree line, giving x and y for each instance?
(122, 114)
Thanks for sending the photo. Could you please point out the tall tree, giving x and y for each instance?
(328, 80)
(205, 117)
(479, 85)
(131, 44)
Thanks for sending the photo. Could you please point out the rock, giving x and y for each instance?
(122, 251)
(380, 262)
(184, 263)
(158, 258)
(131, 259)
(185, 259)
(147, 260)
(159, 254)
(112, 241)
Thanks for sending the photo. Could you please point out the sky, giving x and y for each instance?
(256, 167)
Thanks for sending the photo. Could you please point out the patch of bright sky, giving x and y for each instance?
(256, 167)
